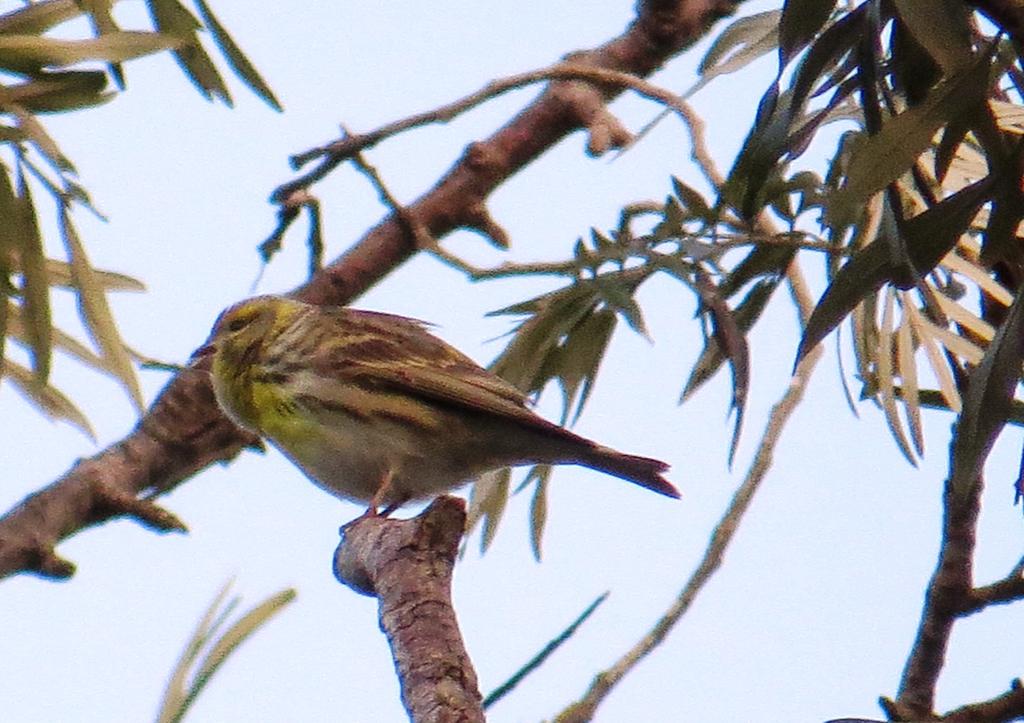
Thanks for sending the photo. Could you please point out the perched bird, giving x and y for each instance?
(375, 409)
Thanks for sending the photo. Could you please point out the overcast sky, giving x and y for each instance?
(816, 606)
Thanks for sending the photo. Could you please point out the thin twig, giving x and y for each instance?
(336, 152)
(584, 708)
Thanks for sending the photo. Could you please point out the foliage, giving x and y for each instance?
(41, 74)
(916, 215)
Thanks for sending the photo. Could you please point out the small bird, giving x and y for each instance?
(375, 409)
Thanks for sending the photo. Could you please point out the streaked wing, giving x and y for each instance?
(396, 353)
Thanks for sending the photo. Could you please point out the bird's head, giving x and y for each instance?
(241, 330)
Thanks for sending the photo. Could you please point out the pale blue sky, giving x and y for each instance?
(814, 610)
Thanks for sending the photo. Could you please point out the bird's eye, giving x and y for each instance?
(237, 324)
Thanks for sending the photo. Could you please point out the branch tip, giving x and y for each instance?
(110, 502)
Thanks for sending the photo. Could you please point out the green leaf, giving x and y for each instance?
(541, 474)
(51, 401)
(882, 158)
(487, 500)
(801, 21)
(173, 18)
(580, 357)
(35, 291)
(59, 274)
(95, 312)
(30, 52)
(54, 92)
(236, 58)
(928, 237)
(38, 17)
(553, 316)
(763, 260)
(103, 23)
(746, 315)
(180, 696)
(942, 27)
(48, 147)
(742, 42)
(884, 376)
(987, 402)
(502, 690)
(733, 343)
(692, 200)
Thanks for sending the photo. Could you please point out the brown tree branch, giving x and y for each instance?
(1007, 707)
(947, 597)
(183, 431)
(407, 565)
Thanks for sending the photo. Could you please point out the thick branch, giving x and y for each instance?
(407, 565)
(184, 431)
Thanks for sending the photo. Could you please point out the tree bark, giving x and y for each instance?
(407, 565)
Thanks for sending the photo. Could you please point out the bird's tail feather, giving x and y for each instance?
(643, 471)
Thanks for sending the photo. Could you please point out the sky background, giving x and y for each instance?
(819, 598)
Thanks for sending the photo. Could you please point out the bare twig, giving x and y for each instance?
(604, 682)
(1004, 708)
(336, 152)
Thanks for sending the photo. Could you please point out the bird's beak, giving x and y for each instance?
(201, 356)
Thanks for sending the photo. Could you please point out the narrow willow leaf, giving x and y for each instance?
(886, 387)
(977, 326)
(747, 313)
(35, 131)
(541, 473)
(740, 43)
(27, 52)
(979, 276)
(59, 274)
(487, 501)
(176, 692)
(51, 92)
(35, 291)
(692, 199)
(883, 157)
(16, 329)
(907, 369)
(864, 338)
(733, 343)
(103, 23)
(990, 391)
(955, 343)
(862, 276)
(801, 20)
(537, 337)
(236, 58)
(240, 632)
(51, 401)
(929, 236)
(38, 17)
(941, 26)
(768, 260)
(95, 312)
(536, 661)
(173, 18)
(580, 360)
(923, 332)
